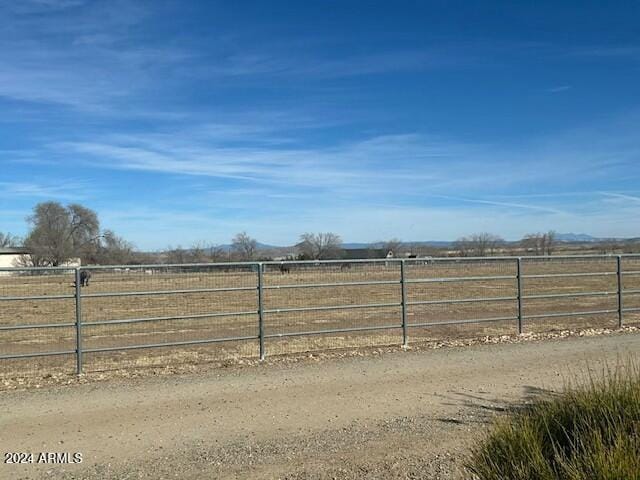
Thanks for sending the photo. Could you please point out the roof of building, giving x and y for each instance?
(13, 251)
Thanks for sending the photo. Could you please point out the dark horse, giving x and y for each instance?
(284, 268)
(85, 276)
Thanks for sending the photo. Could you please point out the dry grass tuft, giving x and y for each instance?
(591, 431)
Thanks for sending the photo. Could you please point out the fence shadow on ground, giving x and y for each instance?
(480, 409)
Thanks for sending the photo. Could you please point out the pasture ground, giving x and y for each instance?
(112, 309)
(399, 415)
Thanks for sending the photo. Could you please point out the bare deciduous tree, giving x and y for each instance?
(463, 246)
(478, 245)
(176, 255)
(532, 243)
(60, 233)
(394, 245)
(9, 240)
(539, 243)
(114, 250)
(200, 252)
(203, 252)
(550, 241)
(319, 246)
(217, 253)
(244, 246)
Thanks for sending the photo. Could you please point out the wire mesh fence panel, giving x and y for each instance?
(320, 342)
(173, 357)
(459, 267)
(37, 317)
(459, 332)
(569, 293)
(460, 298)
(138, 308)
(17, 371)
(631, 289)
(545, 265)
(168, 315)
(32, 341)
(316, 306)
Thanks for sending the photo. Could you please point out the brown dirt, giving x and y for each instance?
(113, 308)
(398, 415)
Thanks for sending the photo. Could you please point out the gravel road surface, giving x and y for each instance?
(396, 416)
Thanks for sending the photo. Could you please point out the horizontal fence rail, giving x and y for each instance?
(49, 312)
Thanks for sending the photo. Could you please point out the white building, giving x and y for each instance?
(11, 257)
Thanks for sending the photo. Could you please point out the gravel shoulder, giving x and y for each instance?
(398, 415)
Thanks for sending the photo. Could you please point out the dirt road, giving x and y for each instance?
(399, 415)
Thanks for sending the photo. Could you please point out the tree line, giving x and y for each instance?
(487, 244)
(59, 233)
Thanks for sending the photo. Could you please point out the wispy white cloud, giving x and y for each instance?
(91, 56)
(154, 227)
(60, 190)
(548, 195)
(274, 154)
(302, 64)
(78, 54)
(628, 51)
(41, 6)
(559, 89)
(524, 206)
(631, 198)
(351, 167)
(412, 185)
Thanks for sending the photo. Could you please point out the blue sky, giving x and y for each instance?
(186, 121)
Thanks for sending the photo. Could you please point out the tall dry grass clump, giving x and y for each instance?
(591, 431)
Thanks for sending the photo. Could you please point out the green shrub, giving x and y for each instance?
(589, 432)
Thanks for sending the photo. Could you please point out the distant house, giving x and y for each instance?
(11, 257)
(283, 258)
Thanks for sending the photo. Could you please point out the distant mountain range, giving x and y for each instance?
(576, 237)
(584, 238)
(260, 246)
(561, 237)
(426, 243)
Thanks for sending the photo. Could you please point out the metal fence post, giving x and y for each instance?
(78, 322)
(620, 288)
(260, 312)
(403, 289)
(519, 280)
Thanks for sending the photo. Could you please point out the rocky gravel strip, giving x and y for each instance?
(398, 448)
(35, 382)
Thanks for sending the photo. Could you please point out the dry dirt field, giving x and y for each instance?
(396, 416)
(181, 303)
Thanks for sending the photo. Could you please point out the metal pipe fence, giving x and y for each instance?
(255, 308)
